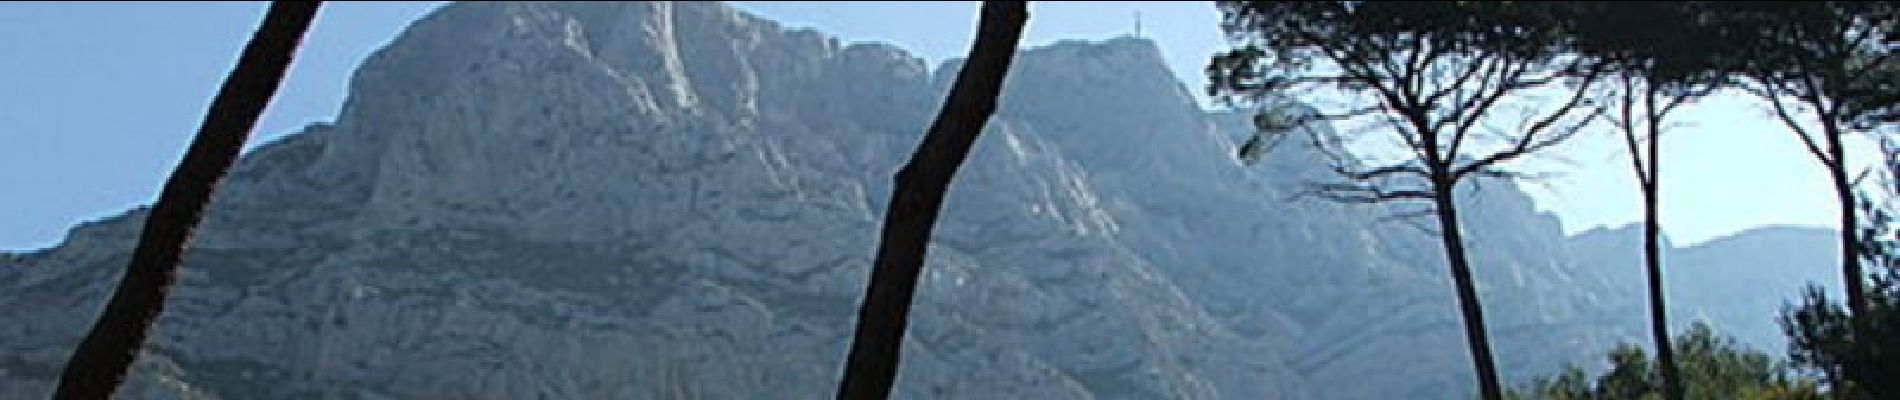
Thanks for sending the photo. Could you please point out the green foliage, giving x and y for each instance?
(1431, 74)
(1713, 368)
(1822, 337)
(1841, 47)
(1863, 359)
(1670, 44)
(1281, 43)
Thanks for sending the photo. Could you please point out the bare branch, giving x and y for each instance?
(1628, 126)
(1303, 120)
(1314, 79)
(1524, 148)
(1493, 172)
(1381, 172)
(1359, 192)
(1470, 114)
(1407, 133)
(1394, 102)
(1799, 132)
(1481, 63)
(1412, 77)
(1813, 95)
(1529, 142)
(1678, 100)
(1487, 74)
(1767, 90)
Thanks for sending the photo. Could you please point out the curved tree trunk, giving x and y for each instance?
(99, 364)
(917, 197)
(1475, 335)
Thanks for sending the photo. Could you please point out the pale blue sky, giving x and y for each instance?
(97, 101)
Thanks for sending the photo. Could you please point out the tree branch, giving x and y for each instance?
(1628, 126)
(1381, 172)
(1469, 115)
(1481, 63)
(1365, 193)
(1807, 140)
(1529, 143)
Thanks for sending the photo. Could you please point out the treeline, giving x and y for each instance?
(1437, 77)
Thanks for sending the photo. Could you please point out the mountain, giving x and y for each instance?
(680, 200)
(1736, 283)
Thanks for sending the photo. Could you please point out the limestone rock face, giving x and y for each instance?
(663, 200)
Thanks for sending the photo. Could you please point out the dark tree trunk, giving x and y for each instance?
(917, 197)
(1475, 335)
(1851, 274)
(1645, 163)
(1652, 260)
(100, 362)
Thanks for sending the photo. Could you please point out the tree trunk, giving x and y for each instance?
(1851, 274)
(1475, 335)
(1652, 258)
(99, 364)
(917, 198)
(1645, 163)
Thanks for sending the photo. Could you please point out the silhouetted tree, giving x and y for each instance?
(1641, 109)
(1429, 73)
(1858, 353)
(1831, 63)
(917, 197)
(99, 364)
(1663, 59)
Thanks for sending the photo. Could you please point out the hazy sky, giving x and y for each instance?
(98, 100)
